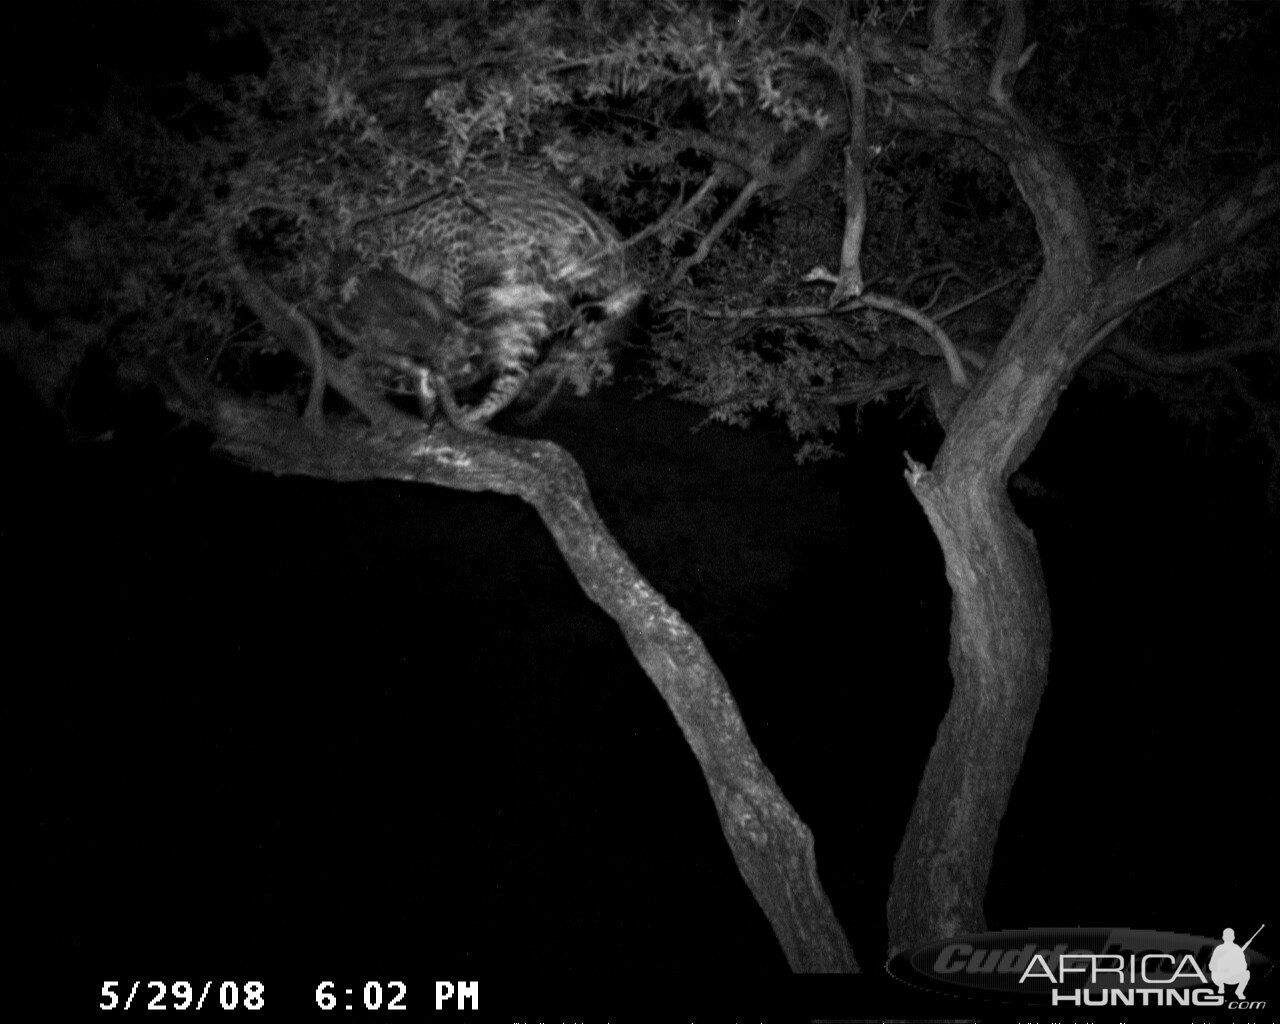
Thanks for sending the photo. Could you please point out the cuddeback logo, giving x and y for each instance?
(1089, 967)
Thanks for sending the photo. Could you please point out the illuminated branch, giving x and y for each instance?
(282, 319)
(836, 395)
(930, 327)
(677, 211)
(757, 161)
(882, 302)
(1004, 282)
(947, 270)
(750, 312)
(849, 283)
(1010, 57)
(757, 164)
(717, 229)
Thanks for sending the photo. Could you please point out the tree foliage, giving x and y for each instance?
(755, 155)
(663, 117)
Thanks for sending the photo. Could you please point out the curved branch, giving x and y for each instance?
(927, 93)
(965, 303)
(834, 395)
(773, 848)
(1010, 57)
(954, 364)
(400, 206)
(758, 165)
(947, 269)
(1175, 363)
(285, 321)
(937, 289)
(1000, 626)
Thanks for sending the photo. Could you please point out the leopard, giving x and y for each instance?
(535, 287)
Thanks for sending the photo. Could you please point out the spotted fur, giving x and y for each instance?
(536, 277)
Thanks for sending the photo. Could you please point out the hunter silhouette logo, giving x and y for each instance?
(1227, 966)
(1089, 967)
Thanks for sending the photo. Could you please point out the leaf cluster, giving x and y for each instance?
(354, 108)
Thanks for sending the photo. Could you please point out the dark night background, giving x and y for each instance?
(273, 721)
(317, 722)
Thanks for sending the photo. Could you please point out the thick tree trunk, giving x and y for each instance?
(999, 660)
(773, 848)
(1000, 631)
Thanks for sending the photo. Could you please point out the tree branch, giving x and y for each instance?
(849, 283)
(954, 365)
(965, 303)
(1230, 218)
(773, 848)
(1000, 624)
(285, 321)
(756, 164)
(677, 210)
(1175, 363)
(717, 229)
(888, 305)
(1010, 58)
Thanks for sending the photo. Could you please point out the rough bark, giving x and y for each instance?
(773, 848)
(1000, 631)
